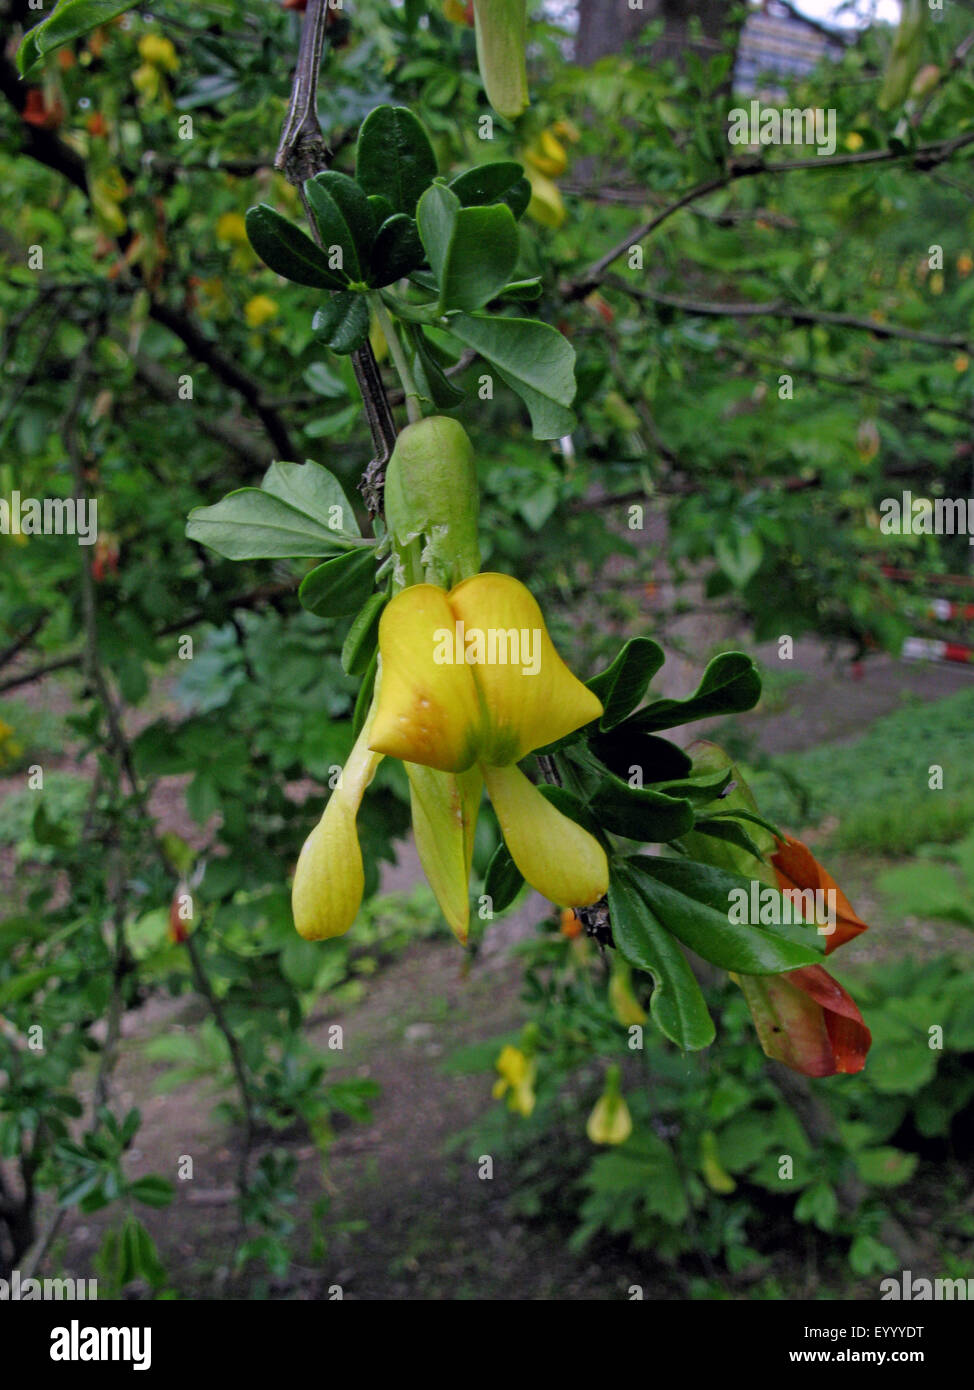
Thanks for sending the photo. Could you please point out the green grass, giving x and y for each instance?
(878, 786)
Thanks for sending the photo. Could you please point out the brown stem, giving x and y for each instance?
(301, 154)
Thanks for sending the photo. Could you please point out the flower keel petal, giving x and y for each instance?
(557, 857)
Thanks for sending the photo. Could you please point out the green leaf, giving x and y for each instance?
(886, 1166)
(314, 491)
(300, 511)
(363, 636)
(622, 685)
(739, 556)
(380, 208)
(692, 901)
(288, 251)
(394, 158)
(342, 323)
(364, 697)
(533, 359)
(344, 219)
(152, 1190)
(434, 384)
(503, 880)
(340, 586)
(729, 830)
(398, 250)
(622, 750)
(730, 685)
(66, 22)
(472, 251)
(640, 813)
(501, 182)
(677, 1005)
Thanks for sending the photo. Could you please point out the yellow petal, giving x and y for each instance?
(529, 695)
(428, 709)
(557, 857)
(444, 811)
(610, 1121)
(329, 879)
(513, 1065)
(546, 206)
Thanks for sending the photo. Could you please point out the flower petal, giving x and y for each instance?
(805, 1019)
(530, 697)
(428, 710)
(557, 857)
(329, 879)
(444, 811)
(796, 867)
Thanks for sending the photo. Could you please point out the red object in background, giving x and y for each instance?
(295, 4)
(105, 558)
(37, 112)
(96, 124)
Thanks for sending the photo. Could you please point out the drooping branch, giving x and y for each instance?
(797, 313)
(924, 157)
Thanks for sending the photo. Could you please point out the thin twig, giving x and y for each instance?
(301, 154)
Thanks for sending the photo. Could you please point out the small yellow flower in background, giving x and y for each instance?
(546, 206)
(158, 51)
(547, 154)
(624, 1003)
(259, 309)
(10, 749)
(965, 264)
(714, 1173)
(231, 228)
(961, 362)
(516, 1080)
(610, 1121)
(147, 81)
(936, 283)
(854, 141)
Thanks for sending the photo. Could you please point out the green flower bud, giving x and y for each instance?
(501, 27)
(431, 503)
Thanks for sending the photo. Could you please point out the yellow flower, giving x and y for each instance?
(853, 141)
(146, 80)
(10, 749)
(259, 309)
(231, 227)
(460, 704)
(154, 49)
(547, 155)
(516, 1080)
(546, 206)
(622, 1001)
(610, 1121)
